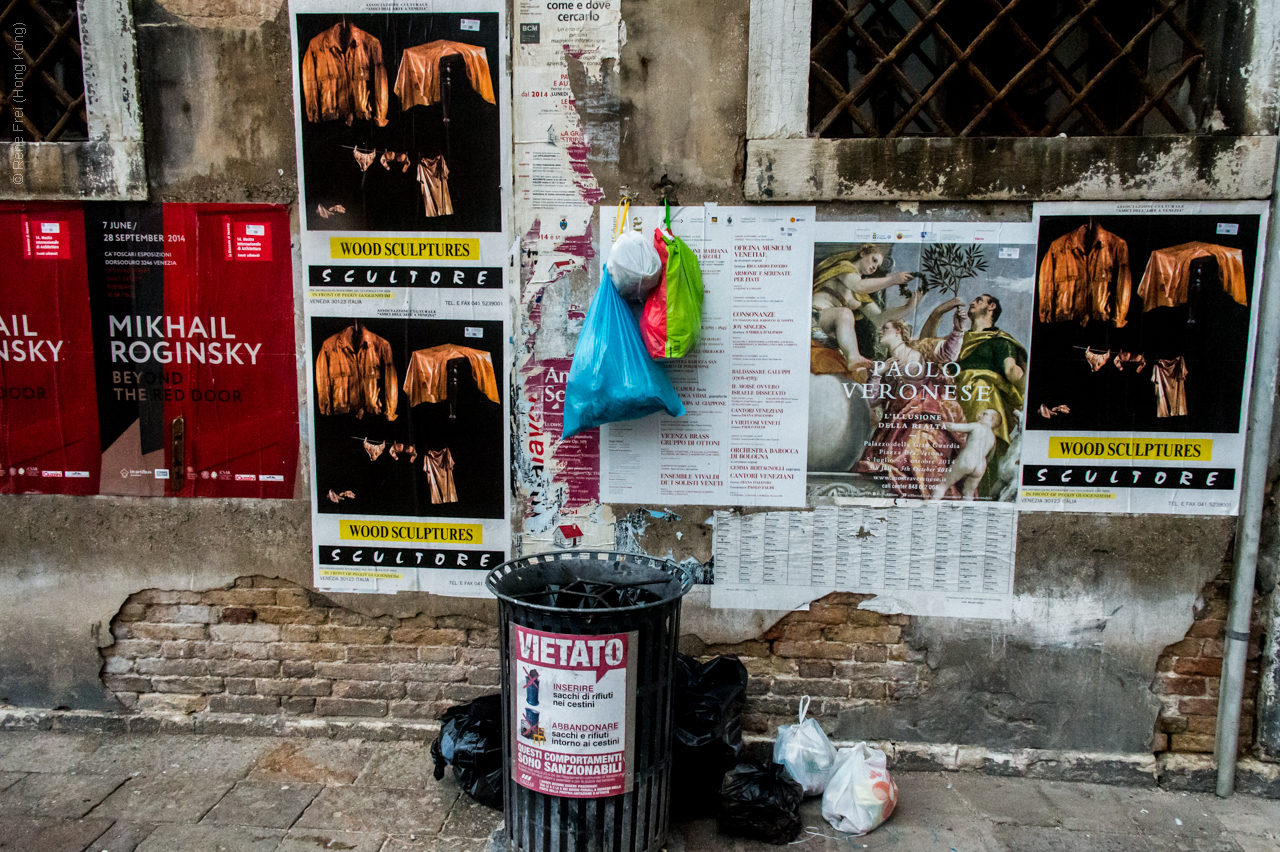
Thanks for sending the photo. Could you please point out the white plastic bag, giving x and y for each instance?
(860, 795)
(806, 752)
(634, 265)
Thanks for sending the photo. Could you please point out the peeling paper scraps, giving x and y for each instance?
(557, 243)
(552, 147)
(580, 531)
(557, 477)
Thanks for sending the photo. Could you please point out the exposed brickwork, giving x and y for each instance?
(268, 646)
(839, 655)
(1189, 671)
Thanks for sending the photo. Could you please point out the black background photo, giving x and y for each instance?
(382, 200)
(390, 487)
(1215, 347)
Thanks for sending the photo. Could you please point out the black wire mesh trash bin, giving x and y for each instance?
(588, 642)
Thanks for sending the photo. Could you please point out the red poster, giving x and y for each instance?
(239, 403)
(48, 411)
(574, 704)
(147, 349)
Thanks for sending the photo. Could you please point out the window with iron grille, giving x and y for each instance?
(888, 68)
(69, 101)
(43, 100)
(1004, 100)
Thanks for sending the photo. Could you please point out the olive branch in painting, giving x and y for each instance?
(944, 265)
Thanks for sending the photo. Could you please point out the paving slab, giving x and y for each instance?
(8, 779)
(702, 835)
(1250, 843)
(1088, 807)
(1250, 816)
(469, 818)
(324, 840)
(58, 796)
(269, 804)
(175, 753)
(1008, 800)
(122, 837)
(46, 834)
(211, 838)
(1165, 814)
(45, 751)
(325, 762)
(165, 798)
(923, 796)
(439, 844)
(1027, 838)
(1221, 843)
(399, 765)
(374, 809)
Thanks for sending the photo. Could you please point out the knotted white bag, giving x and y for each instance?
(634, 265)
(860, 795)
(806, 752)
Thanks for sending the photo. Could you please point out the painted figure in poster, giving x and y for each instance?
(992, 377)
(912, 450)
(970, 465)
(848, 304)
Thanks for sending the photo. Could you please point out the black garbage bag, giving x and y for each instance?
(707, 715)
(471, 741)
(761, 803)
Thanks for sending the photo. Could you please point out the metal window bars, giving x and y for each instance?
(888, 68)
(42, 96)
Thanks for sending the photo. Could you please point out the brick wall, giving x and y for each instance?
(268, 646)
(837, 654)
(1189, 671)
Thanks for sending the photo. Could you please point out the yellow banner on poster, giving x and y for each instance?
(373, 575)
(404, 248)
(1135, 449)
(1073, 495)
(409, 532)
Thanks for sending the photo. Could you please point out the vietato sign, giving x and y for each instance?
(573, 733)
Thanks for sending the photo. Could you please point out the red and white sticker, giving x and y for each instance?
(574, 728)
(247, 240)
(46, 240)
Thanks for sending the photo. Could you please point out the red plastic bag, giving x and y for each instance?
(672, 319)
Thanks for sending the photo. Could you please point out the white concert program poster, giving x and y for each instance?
(404, 138)
(1141, 356)
(943, 558)
(573, 731)
(743, 438)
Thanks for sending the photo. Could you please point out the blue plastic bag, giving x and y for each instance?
(612, 377)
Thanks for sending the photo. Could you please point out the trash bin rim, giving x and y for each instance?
(684, 575)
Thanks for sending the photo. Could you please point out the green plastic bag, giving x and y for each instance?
(671, 322)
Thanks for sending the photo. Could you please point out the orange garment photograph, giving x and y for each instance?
(1142, 322)
(401, 128)
(408, 417)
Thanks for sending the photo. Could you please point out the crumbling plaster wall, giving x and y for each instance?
(1099, 597)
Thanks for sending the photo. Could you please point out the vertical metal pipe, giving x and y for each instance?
(1261, 402)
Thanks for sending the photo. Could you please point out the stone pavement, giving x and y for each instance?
(62, 792)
